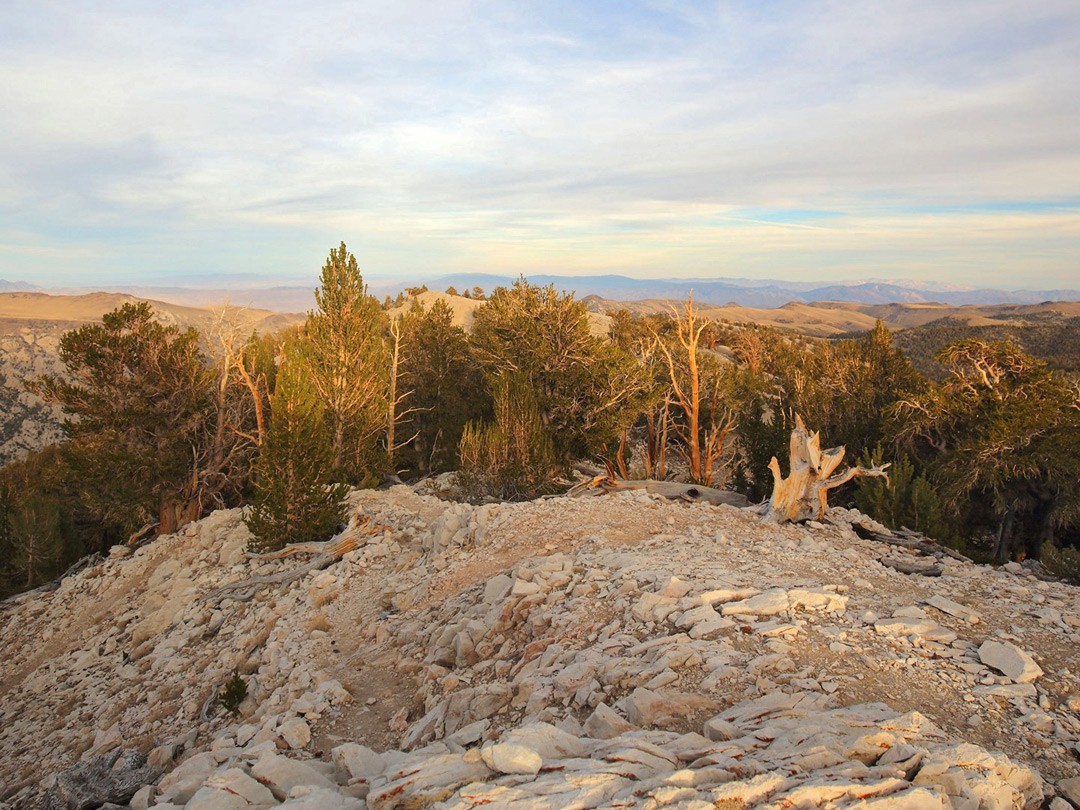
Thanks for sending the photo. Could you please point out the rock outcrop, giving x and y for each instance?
(616, 651)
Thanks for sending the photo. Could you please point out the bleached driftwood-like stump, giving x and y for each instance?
(605, 485)
(803, 495)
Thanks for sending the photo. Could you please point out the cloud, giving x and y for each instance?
(554, 136)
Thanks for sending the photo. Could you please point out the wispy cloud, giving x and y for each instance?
(677, 137)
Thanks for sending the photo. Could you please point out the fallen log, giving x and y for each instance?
(803, 495)
(280, 578)
(605, 485)
(912, 541)
(925, 567)
(359, 527)
(107, 778)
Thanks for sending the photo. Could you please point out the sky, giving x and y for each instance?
(145, 141)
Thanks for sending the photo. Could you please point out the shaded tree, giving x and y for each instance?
(512, 457)
(35, 540)
(295, 501)
(1003, 430)
(446, 388)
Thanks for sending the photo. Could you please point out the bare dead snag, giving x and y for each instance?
(605, 485)
(803, 495)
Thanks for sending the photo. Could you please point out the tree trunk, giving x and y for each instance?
(803, 495)
(603, 485)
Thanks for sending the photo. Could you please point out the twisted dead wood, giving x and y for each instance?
(803, 495)
(605, 485)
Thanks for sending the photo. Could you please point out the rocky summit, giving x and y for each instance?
(614, 651)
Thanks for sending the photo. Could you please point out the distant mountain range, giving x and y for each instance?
(763, 294)
(758, 293)
(17, 286)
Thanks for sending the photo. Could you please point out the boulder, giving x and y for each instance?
(768, 603)
(1009, 660)
(209, 798)
(282, 774)
(605, 723)
(353, 761)
(295, 732)
(511, 758)
(234, 780)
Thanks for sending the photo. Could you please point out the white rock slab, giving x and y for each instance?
(1010, 661)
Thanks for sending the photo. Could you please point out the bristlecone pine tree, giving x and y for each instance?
(141, 401)
(587, 389)
(294, 499)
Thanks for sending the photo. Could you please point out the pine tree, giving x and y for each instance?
(1002, 432)
(587, 389)
(294, 499)
(446, 389)
(346, 360)
(36, 541)
(142, 404)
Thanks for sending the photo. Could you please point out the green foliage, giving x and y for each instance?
(512, 458)
(294, 500)
(1003, 431)
(44, 526)
(141, 400)
(1045, 336)
(346, 360)
(905, 500)
(445, 388)
(844, 390)
(233, 693)
(586, 388)
(35, 539)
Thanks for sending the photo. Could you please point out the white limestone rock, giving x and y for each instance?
(605, 723)
(511, 758)
(295, 732)
(948, 606)
(282, 774)
(354, 761)
(235, 781)
(768, 603)
(1010, 660)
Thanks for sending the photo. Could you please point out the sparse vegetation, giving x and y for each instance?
(233, 693)
(164, 425)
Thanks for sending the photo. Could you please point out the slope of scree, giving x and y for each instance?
(619, 651)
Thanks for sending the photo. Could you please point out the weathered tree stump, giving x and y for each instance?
(114, 777)
(803, 495)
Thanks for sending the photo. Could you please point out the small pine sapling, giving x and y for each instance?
(233, 693)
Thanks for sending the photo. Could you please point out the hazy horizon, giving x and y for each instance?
(790, 141)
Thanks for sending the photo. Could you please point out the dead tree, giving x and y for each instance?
(393, 416)
(803, 495)
(605, 485)
(708, 423)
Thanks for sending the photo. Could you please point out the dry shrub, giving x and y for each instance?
(514, 458)
(318, 621)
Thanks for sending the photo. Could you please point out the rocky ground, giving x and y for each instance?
(27, 423)
(615, 651)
